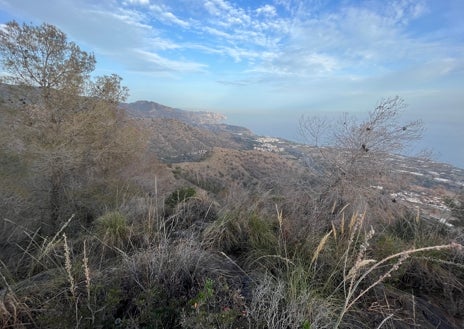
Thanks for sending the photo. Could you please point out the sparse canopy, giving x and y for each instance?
(357, 157)
(41, 56)
(69, 126)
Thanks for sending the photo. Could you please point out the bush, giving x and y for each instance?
(456, 206)
(112, 229)
(179, 195)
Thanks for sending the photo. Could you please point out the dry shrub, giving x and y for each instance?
(273, 306)
(14, 312)
(176, 265)
(193, 214)
(174, 272)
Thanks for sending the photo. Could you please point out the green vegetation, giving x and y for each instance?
(95, 234)
(180, 195)
(112, 229)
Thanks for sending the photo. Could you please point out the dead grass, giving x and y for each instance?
(243, 268)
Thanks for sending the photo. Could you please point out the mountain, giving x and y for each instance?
(146, 109)
(214, 155)
(178, 136)
(176, 141)
(217, 210)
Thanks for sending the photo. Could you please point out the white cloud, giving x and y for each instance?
(285, 38)
(218, 33)
(172, 18)
(119, 33)
(402, 11)
(322, 63)
(359, 39)
(139, 2)
(154, 62)
(217, 7)
(161, 44)
(267, 10)
(225, 14)
(164, 14)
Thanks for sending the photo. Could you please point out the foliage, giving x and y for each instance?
(67, 128)
(112, 228)
(41, 56)
(180, 195)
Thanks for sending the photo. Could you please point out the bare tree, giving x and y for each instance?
(355, 153)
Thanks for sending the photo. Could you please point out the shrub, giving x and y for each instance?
(112, 229)
(456, 206)
(179, 195)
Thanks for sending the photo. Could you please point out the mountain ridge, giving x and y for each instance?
(150, 109)
(198, 146)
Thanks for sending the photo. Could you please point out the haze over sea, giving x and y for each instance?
(446, 148)
(264, 63)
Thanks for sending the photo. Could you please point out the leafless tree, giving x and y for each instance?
(355, 153)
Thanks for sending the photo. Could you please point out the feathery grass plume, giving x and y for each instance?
(418, 216)
(39, 248)
(351, 298)
(280, 217)
(355, 269)
(342, 224)
(334, 230)
(354, 229)
(282, 237)
(86, 267)
(68, 266)
(363, 247)
(320, 247)
(50, 244)
(356, 221)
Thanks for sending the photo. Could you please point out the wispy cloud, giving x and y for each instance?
(153, 62)
(166, 16)
(122, 31)
(138, 2)
(281, 39)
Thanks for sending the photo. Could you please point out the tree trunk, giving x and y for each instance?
(54, 199)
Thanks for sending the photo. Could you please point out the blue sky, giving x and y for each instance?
(265, 63)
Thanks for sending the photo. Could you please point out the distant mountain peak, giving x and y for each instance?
(148, 109)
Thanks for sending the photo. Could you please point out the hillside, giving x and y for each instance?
(212, 153)
(213, 226)
(116, 215)
(173, 140)
(251, 169)
(146, 109)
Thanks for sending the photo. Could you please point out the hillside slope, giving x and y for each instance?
(146, 109)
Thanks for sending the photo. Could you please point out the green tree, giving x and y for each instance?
(67, 128)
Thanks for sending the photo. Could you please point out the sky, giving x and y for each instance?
(264, 63)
